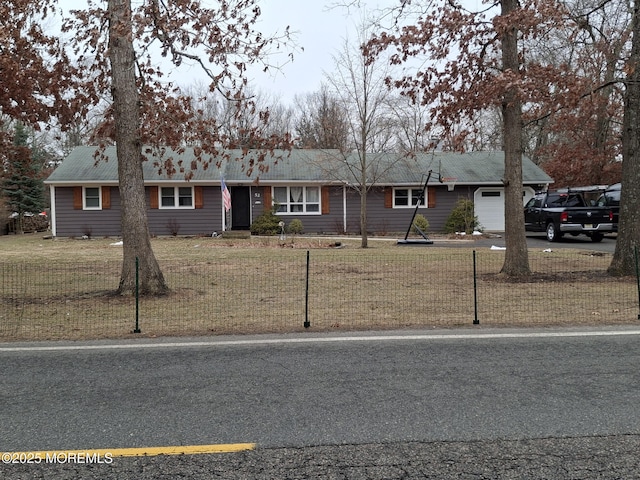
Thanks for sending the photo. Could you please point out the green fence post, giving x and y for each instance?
(137, 329)
(307, 324)
(476, 320)
(637, 276)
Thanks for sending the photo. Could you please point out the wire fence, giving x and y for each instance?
(319, 290)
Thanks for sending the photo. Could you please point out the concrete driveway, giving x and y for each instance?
(535, 241)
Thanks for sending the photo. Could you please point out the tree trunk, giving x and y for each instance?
(126, 104)
(628, 241)
(364, 242)
(516, 261)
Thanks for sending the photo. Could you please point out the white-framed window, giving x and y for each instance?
(91, 198)
(304, 200)
(176, 197)
(408, 197)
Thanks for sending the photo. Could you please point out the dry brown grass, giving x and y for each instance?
(54, 289)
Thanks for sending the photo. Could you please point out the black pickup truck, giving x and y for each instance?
(557, 213)
(611, 198)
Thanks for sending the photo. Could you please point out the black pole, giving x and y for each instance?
(637, 277)
(420, 201)
(137, 329)
(307, 324)
(476, 321)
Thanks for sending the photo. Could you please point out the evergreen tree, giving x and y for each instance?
(22, 185)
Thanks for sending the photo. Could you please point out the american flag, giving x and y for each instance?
(226, 196)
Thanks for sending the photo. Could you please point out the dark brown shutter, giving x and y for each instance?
(77, 198)
(153, 197)
(106, 198)
(388, 197)
(431, 197)
(268, 199)
(325, 200)
(199, 197)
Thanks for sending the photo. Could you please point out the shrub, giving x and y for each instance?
(462, 218)
(295, 227)
(421, 222)
(267, 223)
(173, 226)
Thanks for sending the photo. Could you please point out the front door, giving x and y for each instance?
(240, 208)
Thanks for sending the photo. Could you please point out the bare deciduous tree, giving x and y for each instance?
(580, 143)
(360, 87)
(129, 143)
(470, 61)
(36, 73)
(148, 110)
(322, 121)
(628, 243)
(413, 131)
(516, 260)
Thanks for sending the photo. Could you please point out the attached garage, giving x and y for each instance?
(489, 206)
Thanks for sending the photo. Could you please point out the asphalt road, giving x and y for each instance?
(452, 404)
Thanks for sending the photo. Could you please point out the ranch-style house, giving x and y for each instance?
(318, 187)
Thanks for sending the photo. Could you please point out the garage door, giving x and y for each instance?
(489, 206)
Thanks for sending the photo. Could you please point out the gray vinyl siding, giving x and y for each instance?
(257, 208)
(445, 203)
(316, 223)
(206, 220)
(383, 221)
(94, 223)
(333, 221)
(196, 221)
(106, 222)
(353, 210)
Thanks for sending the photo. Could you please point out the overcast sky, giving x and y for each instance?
(322, 31)
(319, 30)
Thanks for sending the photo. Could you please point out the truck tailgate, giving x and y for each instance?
(588, 216)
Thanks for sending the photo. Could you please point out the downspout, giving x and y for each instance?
(52, 194)
(250, 205)
(344, 208)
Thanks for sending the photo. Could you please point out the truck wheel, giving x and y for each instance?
(596, 237)
(553, 235)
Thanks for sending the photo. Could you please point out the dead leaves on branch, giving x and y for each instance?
(460, 61)
(221, 42)
(35, 69)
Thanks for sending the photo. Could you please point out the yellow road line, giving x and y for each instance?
(143, 451)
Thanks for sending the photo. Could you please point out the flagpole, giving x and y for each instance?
(224, 219)
(226, 202)
(224, 211)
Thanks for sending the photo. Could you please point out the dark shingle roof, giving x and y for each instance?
(312, 166)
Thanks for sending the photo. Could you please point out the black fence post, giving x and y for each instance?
(137, 329)
(637, 277)
(307, 324)
(476, 320)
